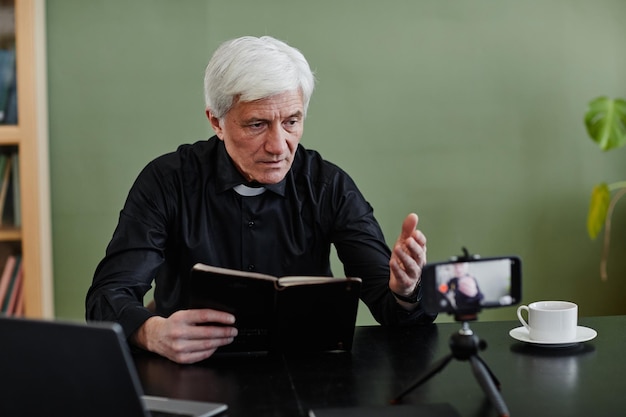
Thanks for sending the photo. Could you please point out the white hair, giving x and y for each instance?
(251, 68)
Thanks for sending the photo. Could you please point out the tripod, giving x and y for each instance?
(465, 345)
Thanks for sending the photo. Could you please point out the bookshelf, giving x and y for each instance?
(29, 237)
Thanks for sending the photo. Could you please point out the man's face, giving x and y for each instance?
(262, 136)
(460, 268)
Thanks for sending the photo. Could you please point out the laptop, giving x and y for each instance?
(75, 370)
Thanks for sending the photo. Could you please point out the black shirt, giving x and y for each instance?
(182, 209)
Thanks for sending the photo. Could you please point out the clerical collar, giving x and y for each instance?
(248, 191)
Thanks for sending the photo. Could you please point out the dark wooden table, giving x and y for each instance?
(581, 380)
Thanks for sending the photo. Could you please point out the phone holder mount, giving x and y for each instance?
(465, 345)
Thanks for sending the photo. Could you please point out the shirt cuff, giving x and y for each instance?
(412, 300)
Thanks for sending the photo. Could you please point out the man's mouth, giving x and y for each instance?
(272, 163)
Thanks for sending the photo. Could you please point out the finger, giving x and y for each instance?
(398, 272)
(205, 315)
(192, 357)
(408, 225)
(198, 351)
(416, 250)
(197, 343)
(201, 345)
(410, 262)
(208, 332)
(404, 281)
(420, 238)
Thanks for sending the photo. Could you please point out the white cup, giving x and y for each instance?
(550, 321)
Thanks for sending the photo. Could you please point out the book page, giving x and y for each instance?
(232, 272)
(304, 280)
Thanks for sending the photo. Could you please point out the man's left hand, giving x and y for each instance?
(407, 258)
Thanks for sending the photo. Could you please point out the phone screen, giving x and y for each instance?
(467, 286)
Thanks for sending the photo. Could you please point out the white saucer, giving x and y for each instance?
(583, 334)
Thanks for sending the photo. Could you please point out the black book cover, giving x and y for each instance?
(280, 314)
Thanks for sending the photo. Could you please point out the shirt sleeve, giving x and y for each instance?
(133, 256)
(362, 249)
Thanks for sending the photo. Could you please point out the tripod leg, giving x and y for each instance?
(436, 367)
(485, 379)
(491, 374)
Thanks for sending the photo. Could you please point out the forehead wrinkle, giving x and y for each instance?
(271, 110)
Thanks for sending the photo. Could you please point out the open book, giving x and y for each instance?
(296, 313)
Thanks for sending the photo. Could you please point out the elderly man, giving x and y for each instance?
(249, 198)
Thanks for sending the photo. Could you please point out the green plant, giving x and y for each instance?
(606, 125)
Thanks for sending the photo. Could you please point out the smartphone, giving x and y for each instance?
(466, 286)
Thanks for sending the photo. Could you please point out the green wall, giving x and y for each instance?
(466, 112)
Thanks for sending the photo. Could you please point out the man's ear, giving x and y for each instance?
(215, 124)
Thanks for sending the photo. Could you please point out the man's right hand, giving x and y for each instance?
(187, 335)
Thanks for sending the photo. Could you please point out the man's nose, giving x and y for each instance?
(276, 141)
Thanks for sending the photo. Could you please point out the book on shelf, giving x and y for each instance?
(15, 296)
(17, 198)
(9, 189)
(286, 314)
(8, 100)
(5, 278)
(9, 300)
(4, 185)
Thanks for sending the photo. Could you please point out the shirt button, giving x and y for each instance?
(251, 267)
(250, 224)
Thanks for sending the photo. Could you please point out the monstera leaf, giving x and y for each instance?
(606, 122)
